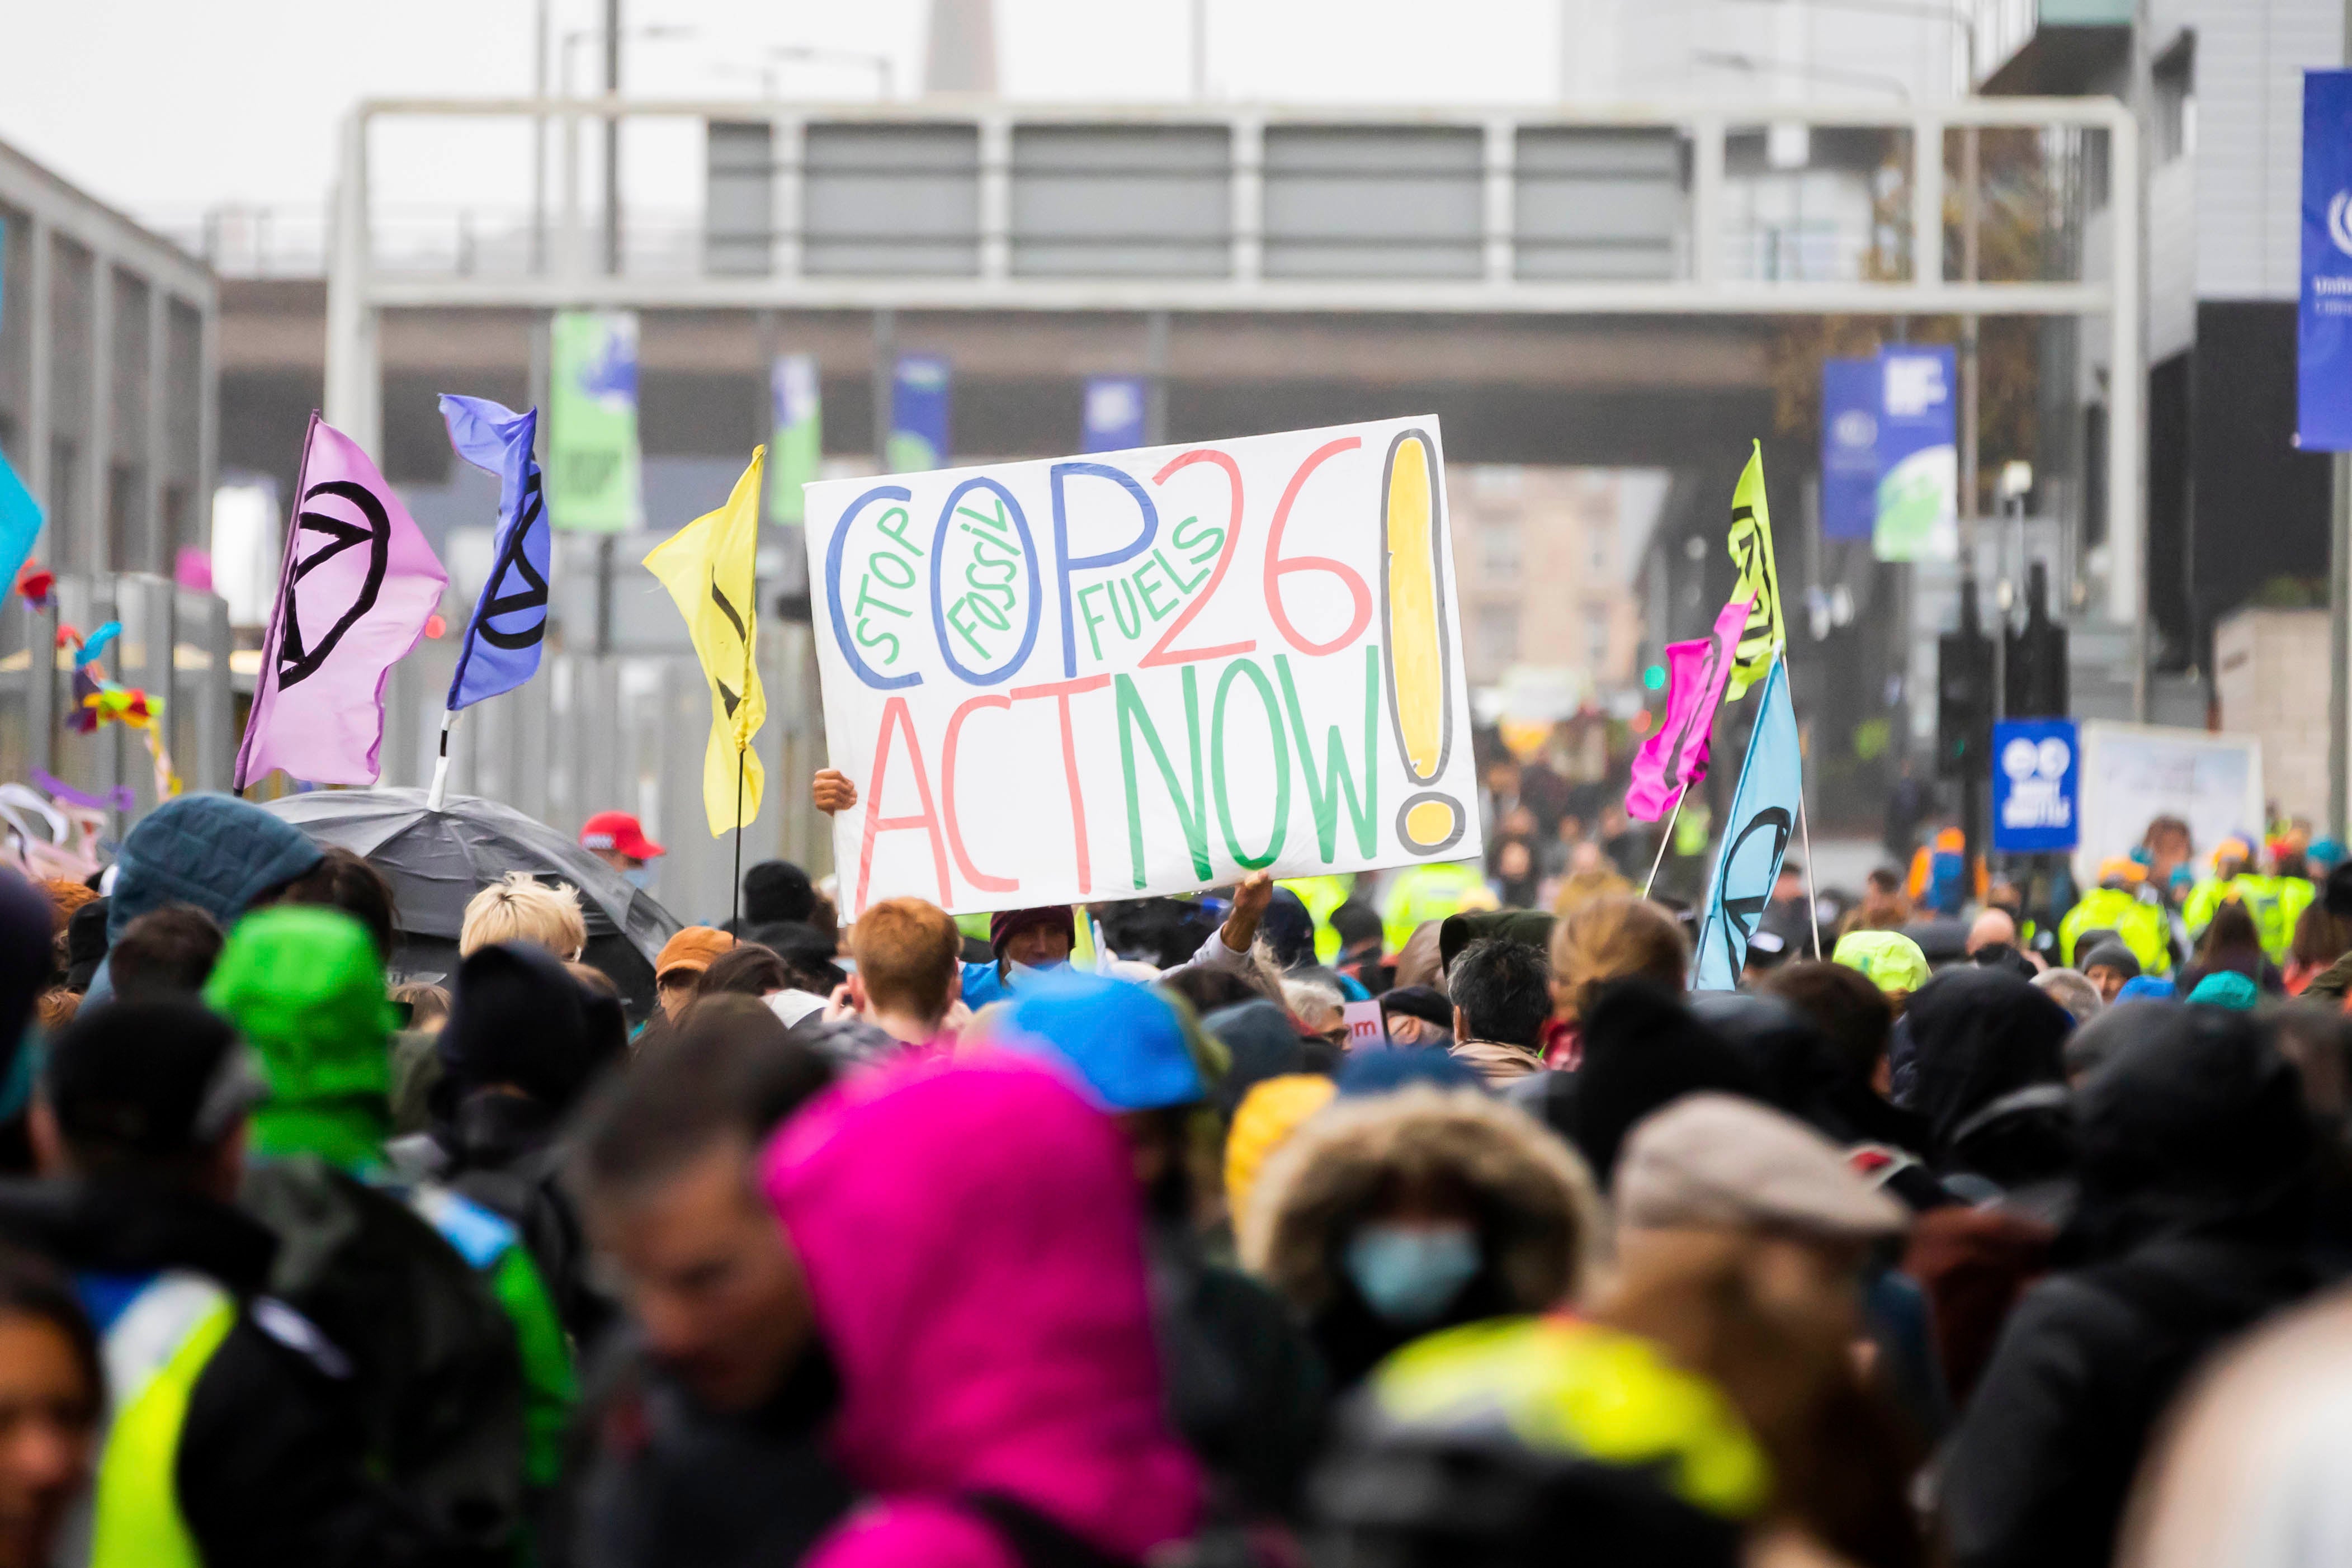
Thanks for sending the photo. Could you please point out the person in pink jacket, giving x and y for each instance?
(971, 1237)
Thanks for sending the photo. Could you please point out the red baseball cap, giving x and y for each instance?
(619, 831)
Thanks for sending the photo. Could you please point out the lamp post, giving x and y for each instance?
(612, 39)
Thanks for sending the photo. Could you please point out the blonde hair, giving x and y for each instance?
(517, 909)
(1611, 937)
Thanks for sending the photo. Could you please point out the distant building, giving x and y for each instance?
(1541, 559)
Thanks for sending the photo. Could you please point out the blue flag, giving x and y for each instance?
(502, 641)
(1756, 835)
(20, 524)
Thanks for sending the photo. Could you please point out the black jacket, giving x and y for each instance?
(2194, 1171)
(657, 1481)
(269, 1464)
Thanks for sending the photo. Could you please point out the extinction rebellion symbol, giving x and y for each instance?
(297, 657)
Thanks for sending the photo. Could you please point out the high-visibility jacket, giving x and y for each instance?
(2295, 894)
(1431, 892)
(2274, 902)
(2140, 926)
(156, 1349)
(1321, 895)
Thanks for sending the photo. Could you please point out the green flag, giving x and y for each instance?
(591, 436)
(798, 441)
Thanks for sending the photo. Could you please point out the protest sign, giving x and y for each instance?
(1368, 1026)
(1147, 671)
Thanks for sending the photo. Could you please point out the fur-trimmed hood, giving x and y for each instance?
(1536, 1193)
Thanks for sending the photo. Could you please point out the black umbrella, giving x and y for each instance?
(438, 860)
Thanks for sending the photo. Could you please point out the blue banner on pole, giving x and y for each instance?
(508, 628)
(2037, 785)
(1755, 833)
(1849, 394)
(918, 414)
(2324, 322)
(1918, 454)
(1114, 421)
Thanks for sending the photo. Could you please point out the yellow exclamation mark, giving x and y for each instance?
(1420, 672)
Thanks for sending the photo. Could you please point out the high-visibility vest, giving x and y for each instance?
(1321, 895)
(1431, 892)
(2274, 902)
(156, 1349)
(2139, 926)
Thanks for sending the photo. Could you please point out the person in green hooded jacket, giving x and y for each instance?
(478, 1379)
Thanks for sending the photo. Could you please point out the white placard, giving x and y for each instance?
(1368, 1026)
(1144, 672)
(2132, 772)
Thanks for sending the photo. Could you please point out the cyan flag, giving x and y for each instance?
(503, 639)
(20, 524)
(1756, 835)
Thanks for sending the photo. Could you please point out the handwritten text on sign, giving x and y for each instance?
(1144, 672)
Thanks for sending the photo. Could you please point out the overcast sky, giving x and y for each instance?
(170, 106)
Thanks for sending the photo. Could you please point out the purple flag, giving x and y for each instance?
(1674, 756)
(357, 582)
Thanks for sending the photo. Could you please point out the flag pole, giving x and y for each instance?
(1665, 839)
(440, 790)
(735, 910)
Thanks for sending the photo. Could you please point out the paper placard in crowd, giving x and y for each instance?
(1148, 671)
(1368, 1027)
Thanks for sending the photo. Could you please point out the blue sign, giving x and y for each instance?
(1849, 394)
(1115, 406)
(2037, 785)
(1918, 454)
(918, 414)
(2324, 323)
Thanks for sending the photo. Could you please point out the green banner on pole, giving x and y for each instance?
(798, 442)
(591, 437)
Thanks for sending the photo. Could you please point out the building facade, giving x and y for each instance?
(108, 409)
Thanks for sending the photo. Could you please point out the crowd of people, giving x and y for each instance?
(905, 1240)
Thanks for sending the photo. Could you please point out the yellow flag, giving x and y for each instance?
(1760, 579)
(708, 568)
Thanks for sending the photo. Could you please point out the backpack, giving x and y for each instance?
(436, 1381)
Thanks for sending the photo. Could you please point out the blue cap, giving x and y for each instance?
(1381, 1071)
(1124, 1041)
(2147, 988)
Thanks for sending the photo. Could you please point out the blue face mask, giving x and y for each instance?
(638, 875)
(1016, 969)
(1411, 1274)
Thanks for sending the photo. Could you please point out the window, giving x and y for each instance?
(1498, 549)
(1598, 540)
(1596, 639)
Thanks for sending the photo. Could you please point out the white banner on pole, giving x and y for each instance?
(1144, 672)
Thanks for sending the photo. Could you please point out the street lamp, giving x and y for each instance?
(611, 138)
(1925, 11)
(810, 55)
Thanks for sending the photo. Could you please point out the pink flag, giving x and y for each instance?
(357, 584)
(1674, 756)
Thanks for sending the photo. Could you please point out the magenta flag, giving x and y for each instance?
(1674, 756)
(357, 586)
